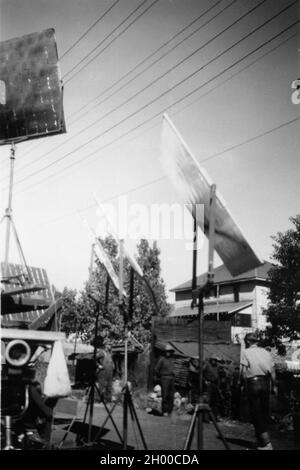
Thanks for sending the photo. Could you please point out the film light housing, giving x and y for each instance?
(17, 353)
(31, 93)
(18, 346)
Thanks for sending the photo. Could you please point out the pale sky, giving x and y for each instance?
(259, 179)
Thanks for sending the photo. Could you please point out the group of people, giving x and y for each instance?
(223, 383)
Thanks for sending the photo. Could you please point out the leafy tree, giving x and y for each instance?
(284, 309)
(110, 323)
(143, 307)
(80, 313)
(75, 316)
(68, 317)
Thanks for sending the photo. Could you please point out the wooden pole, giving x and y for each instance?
(195, 248)
(211, 237)
(210, 277)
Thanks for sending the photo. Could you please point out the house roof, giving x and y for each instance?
(228, 307)
(223, 276)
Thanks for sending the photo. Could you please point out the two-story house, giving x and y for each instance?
(240, 299)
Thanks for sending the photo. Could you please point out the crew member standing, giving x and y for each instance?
(259, 375)
(212, 384)
(164, 372)
(105, 373)
(193, 380)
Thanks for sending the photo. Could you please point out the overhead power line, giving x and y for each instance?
(79, 110)
(171, 69)
(26, 165)
(113, 40)
(155, 62)
(252, 139)
(163, 75)
(161, 178)
(222, 83)
(166, 92)
(98, 45)
(168, 107)
(88, 30)
(246, 66)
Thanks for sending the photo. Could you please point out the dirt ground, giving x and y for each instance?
(168, 433)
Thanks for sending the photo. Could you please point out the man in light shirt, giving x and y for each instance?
(259, 375)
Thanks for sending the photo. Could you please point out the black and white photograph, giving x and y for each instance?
(150, 228)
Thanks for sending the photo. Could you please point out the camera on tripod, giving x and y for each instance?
(16, 375)
(19, 352)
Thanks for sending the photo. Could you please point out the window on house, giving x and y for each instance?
(242, 319)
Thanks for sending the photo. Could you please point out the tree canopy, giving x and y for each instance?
(79, 310)
(284, 310)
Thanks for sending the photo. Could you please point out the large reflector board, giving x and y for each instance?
(31, 102)
(194, 187)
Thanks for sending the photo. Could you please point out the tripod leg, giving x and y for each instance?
(211, 415)
(134, 416)
(113, 422)
(190, 433)
(109, 416)
(200, 430)
(79, 438)
(105, 421)
(87, 403)
(66, 433)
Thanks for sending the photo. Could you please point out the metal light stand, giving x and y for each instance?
(9, 219)
(126, 394)
(93, 386)
(8, 422)
(127, 398)
(197, 295)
